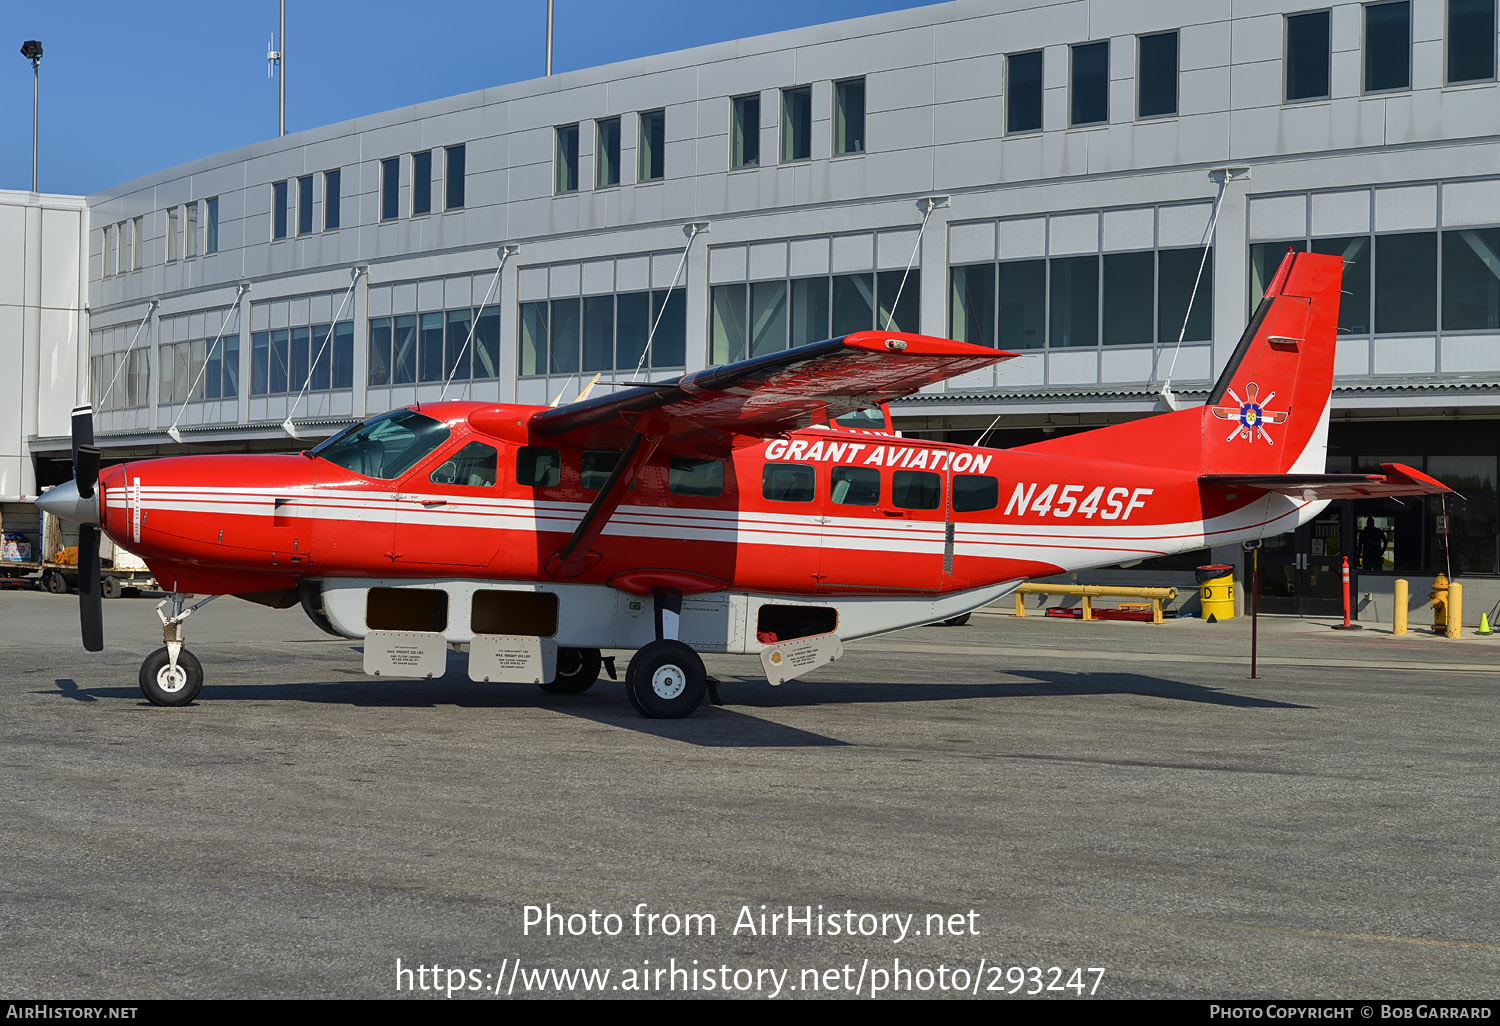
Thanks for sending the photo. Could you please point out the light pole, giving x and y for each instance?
(32, 51)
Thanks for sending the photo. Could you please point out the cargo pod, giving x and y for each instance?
(514, 636)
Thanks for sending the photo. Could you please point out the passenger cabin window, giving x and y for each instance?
(596, 469)
(916, 489)
(787, 482)
(855, 486)
(384, 447)
(703, 478)
(473, 466)
(975, 492)
(538, 467)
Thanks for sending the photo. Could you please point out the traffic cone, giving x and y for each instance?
(1484, 624)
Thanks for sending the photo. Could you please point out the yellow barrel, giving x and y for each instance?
(1217, 596)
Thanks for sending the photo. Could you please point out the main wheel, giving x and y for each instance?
(666, 680)
(957, 621)
(577, 670)
(56, 583)
(110, 588)
(165, 686)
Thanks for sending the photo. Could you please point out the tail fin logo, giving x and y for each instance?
(1251, 415)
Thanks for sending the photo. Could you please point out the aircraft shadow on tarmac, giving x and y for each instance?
(711, 726)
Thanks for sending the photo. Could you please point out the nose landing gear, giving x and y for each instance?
(172, 675)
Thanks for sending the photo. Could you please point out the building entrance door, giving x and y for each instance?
(1301, 573)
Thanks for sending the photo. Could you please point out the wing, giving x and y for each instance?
(1398, 479)
(772, 394)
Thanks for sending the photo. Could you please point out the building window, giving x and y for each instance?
(210, 227)
(453, 177)
(1074, 305)
(1354, 303)
(652, 145)
(1089, 89)
(1471, 279)
(849, 116)
(1130, 298)
(1405, 283)
(283, 360)
(172, 230)
(744, 140)
(606, 332)
(390, 188)
(1156, 76)
(565, 160)
(200, 370)
(332, 184)
(606, 153)
(971, 308)
(305, 205)
(131, 388)
(421, 183)
(755, 318)
(124, 257)
(1176, 270)
(138, 240)
(1471, 40)
(190, 234)
(1023, 87)
(107, 252)
(1307, 56)
(1387, 46)
(279, 197)
(431, 346)
(796, 124)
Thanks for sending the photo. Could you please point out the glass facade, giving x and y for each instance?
(320, 355)
(754, 318)
(603, 333)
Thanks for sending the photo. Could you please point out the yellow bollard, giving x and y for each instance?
(1455, 610)
(1398, 619)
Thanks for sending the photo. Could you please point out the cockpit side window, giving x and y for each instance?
(384, 447)
(473, 466)
(538, 467)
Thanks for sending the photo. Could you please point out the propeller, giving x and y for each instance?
(86, 478)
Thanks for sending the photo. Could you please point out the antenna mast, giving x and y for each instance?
(274, 57)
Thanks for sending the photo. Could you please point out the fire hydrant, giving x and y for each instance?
(1439, 597)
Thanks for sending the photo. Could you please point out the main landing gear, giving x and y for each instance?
(577, 670)
(172, 675)
(666, 679)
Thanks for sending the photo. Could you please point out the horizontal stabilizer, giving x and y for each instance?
(1397, 479)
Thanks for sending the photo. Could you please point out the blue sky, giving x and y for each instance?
(131, 88)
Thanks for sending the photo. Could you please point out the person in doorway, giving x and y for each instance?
(1371, 548)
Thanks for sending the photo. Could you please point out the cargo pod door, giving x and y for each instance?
(886, 520)
(448, 512)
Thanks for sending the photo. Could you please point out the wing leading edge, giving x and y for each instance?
(1397, 480)
(779, 392)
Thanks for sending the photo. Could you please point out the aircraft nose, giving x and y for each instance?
(65, 503)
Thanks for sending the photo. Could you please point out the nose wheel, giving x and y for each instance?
(164, 682)
(172, 675)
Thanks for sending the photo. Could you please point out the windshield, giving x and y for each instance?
(384, 447)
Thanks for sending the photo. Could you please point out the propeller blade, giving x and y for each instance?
(86, 470)
(83, 428)
(90, 601)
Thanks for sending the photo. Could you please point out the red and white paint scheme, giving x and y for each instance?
(751, 508)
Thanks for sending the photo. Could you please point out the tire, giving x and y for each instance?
(110, 588)
(56, 583)
(666, 680)
(577, 670)
(957, 621)
(159, 685)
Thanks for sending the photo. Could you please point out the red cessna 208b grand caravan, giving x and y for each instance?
(749, 508)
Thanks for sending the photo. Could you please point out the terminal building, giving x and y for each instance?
(1101, 187)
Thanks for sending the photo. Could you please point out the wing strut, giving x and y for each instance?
(577, 554)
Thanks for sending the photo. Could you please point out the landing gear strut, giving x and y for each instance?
(666, 679)
(172, 675)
